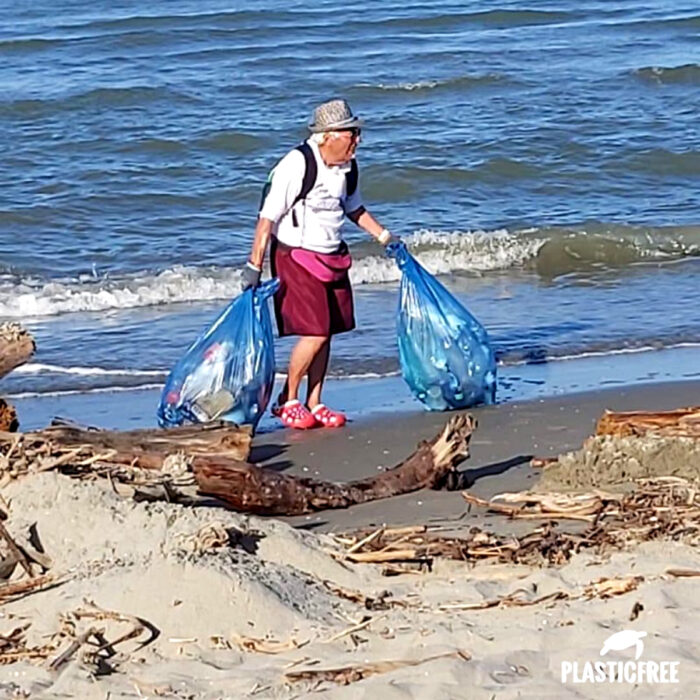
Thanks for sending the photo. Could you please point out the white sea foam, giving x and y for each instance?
(360, 376)
(174, 285)
(440, 252)
(420, 85)
(39, 368)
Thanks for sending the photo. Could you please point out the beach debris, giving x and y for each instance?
(366, 621)
(346, 675)
(680, 422)
(379, 601)
(259, 646)
(625, 447)
(17, 589)
(100, 653)
(517, 599)
(636, 609)
(14, 647)
(610, 587)
(529, 504)
(216, 455)
(144, 457)
(16, 347)
(15, 554)
(666, 507)
(602, 588)
(683, 573)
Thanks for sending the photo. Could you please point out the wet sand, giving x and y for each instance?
(505, 439)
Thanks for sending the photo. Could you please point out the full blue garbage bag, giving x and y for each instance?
(228, 372)
(445, 354)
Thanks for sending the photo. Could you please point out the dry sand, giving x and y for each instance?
(264, 579)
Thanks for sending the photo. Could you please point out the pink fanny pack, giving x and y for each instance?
(327, 267)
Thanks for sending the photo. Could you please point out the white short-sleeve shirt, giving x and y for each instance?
(319, 217)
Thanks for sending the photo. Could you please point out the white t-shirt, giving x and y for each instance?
(320, 216)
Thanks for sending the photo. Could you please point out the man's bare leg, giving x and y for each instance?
(303, 354)
(317, 373)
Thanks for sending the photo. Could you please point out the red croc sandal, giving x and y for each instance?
(328, 418)
(294, 415)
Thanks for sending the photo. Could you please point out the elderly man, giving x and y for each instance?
(306, 198)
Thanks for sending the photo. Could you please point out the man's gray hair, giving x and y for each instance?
(319, 137)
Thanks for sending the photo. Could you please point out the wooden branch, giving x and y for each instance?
(144, 448)
(18, 588)
(681, 422)
(16, 347)
(250, 489)
(15, 551)
(8, 417)
(350, 674)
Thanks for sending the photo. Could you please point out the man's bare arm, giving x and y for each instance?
(368, 223)
(263, 229)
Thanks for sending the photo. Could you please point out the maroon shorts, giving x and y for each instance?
(303, 304)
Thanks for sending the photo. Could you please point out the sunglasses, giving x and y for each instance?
(355, 132)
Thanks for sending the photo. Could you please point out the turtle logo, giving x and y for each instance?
(625, 640)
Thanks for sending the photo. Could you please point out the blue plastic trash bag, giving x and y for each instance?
(445, 354)
(228, 372)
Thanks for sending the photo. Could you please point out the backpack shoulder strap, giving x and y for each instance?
(310, 172)
(352, 178)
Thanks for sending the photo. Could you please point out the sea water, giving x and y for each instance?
(544, 161)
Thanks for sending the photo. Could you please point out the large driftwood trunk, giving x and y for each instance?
(250, 489)
(681, 422)
(16, 347)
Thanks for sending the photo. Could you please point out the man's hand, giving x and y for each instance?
(251, 276)
(386, 237)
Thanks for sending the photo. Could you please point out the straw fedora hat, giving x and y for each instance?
(332, 116)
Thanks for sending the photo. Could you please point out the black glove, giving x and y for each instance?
(251, 276)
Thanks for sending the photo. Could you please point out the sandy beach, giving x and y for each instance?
(542, 163)
(240, 606)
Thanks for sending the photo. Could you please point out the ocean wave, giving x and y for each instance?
(40, 368)
(179, 284)
(229, 141)
(163, 22)
(29, 45)
(492, 18)
(419, 86)
(73, 381)
(390, 183)
(101, 98)
(603, 247)
(661, 161)
(551, 252)
(688, 74)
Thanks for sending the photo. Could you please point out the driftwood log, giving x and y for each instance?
(8, 417)
(16, 347)
(681, 422)
(146, 448)
(217, 454)
(252, 489)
